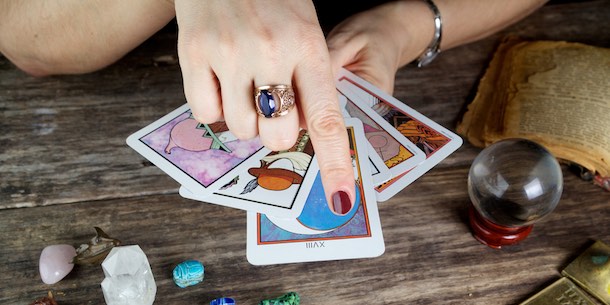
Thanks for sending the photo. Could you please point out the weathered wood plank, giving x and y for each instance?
(63, 138)
(63, 155)
(430, 257)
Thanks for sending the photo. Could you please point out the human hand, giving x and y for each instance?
(375, 43)
(229, 47)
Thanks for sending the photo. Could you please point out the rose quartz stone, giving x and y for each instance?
(55, 262)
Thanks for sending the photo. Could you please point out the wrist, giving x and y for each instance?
(418, 28)
(432, 50)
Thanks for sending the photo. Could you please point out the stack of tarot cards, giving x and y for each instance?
(288, 217)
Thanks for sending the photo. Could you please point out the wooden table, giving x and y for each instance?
(65, 168)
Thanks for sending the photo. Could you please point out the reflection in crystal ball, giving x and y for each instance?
(515, 182)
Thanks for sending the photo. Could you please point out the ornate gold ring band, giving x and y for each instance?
(273, 100)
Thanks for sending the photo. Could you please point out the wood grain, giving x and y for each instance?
(65, 168)
(430, 257)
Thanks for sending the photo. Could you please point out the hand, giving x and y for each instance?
(229, 47)
(375, 43)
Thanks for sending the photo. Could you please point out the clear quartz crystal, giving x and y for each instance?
(129, 279)
(515, 182)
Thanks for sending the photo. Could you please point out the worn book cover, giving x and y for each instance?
(556, 93)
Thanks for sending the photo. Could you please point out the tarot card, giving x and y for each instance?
(436, 141)
(380, 172)
(278, 185)
(343, 104)
(318, 234)
(201, 157)
(397, 152)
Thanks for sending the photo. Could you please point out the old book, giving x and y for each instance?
(556, 93)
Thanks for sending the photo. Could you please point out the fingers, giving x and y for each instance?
(226, 52)
(238, 105)
(343, 49)
(279, 133)
(317, 97)
(202, 92)
(201, 87)
(369, 54)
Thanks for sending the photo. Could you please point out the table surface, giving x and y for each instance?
(65, 168)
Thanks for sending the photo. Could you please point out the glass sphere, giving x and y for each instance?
(515, 182)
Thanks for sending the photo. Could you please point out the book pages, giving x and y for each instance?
(555, 93)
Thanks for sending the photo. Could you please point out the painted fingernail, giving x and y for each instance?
(341, 203)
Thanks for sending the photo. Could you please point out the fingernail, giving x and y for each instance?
(341, 203)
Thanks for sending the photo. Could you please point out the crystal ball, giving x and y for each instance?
(515, 182)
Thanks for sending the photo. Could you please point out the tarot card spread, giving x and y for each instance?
(319, 234)
(397, 152)
(289, 219)
(278, 185)
(436, 141)
(214, 167)
(201, 157)
(379, 170)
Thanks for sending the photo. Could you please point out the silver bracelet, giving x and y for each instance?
(435, 45)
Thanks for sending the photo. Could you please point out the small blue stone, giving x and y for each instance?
(266, 103)
(188, 273)
(223, 301)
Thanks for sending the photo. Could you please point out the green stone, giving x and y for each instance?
(290, 298)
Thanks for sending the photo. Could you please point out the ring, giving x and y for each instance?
(274, 100)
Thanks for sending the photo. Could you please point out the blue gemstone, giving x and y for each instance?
(266, 103)
(223, 301)
(188, 273)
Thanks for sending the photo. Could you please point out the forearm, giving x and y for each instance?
(74, 36)
(464, 21)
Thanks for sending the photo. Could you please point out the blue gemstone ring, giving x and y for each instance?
(273, 101)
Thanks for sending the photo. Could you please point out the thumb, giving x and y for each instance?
(342, 51)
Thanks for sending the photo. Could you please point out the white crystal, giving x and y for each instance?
(129, 279)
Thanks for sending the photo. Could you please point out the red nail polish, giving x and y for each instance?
(341, 203)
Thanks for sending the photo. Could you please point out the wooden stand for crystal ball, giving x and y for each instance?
(494, 235)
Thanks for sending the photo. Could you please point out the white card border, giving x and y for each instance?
(134, 141)
(455, 141)
(384, 172)
(242, 204)
(284, 253)
(418, 155)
